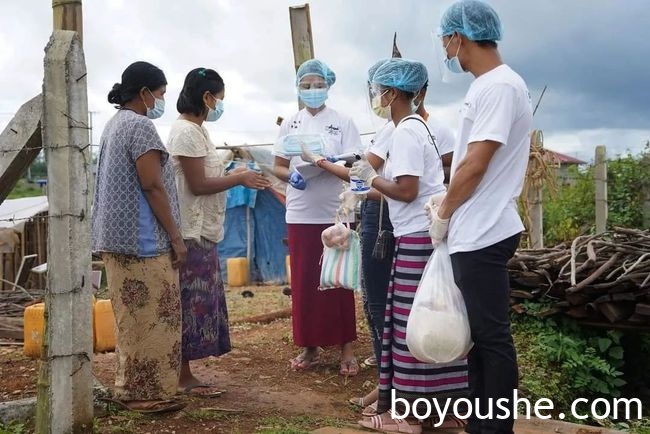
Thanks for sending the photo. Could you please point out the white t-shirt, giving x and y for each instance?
(317, 204)
(412, 153)
(201, 216)
(381, 142)
(445, 139)
(498, 108)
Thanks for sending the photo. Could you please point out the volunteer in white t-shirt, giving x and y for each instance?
(412, 175)
(319, 318)
(444, 137)
(480, 209)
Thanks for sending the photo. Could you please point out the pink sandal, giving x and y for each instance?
(386, 423)
(303, 363)
(349, 367)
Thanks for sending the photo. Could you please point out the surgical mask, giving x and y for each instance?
(215, 113)
(414, 105)
(158, 107)
(381, 111)
(453, 64)
(313, 98)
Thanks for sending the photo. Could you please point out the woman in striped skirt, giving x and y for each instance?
(413, 173)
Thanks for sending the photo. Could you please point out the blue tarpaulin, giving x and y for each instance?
(267, 230)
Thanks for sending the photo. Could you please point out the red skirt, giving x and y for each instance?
(319, 318)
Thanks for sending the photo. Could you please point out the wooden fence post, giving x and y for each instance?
(301, 37)
(65, 400)
(600, 177)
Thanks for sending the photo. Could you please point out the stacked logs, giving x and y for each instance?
(601, 280)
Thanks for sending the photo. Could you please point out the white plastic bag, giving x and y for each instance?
(336, 237)
(438, 330)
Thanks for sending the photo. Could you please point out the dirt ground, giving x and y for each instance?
(262, 395)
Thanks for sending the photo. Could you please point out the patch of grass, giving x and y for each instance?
(266, 299)
(13, 428)
(203, 414)
(25, 189)
(296, 425)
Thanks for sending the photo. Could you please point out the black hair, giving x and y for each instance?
(486, 43)
(197, 82)
(136, 76)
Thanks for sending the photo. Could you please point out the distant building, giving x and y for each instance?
(562, 162)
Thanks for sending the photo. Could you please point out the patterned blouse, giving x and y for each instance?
(123, 222)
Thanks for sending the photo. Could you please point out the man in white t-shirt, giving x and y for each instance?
(480, 209)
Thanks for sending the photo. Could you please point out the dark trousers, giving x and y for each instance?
(375, 274)
(482, 277)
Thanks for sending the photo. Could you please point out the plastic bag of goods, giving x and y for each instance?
(336, 237)
(438, 330)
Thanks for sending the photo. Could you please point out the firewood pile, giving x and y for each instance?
(601, 280)
(12, 306)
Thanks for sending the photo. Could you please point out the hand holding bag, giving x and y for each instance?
(341, 263)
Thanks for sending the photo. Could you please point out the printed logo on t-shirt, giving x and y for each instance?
(331, 129)
(294, 125)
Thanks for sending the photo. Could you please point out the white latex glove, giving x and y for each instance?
(349, 202)
(439, 227)
(363, 170)
(431, 207)
(309, 156)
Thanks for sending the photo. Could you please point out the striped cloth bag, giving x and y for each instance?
(341, 268)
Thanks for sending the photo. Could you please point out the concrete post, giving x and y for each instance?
(20, 144)
(65, 380)
(600, 177)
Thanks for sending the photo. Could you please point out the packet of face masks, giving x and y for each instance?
(291, 144)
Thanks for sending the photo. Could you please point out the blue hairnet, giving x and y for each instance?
(406, 75)
(315, 67)
(474, 19)
(374, 68)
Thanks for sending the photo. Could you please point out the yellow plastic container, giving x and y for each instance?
(103, 326)
(33, 329)
(288, 265)
(237, 271)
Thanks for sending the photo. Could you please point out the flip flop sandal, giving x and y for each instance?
(349, 367)
(154, 407)
(188, 391)
(370, 410)
(357, 402)
(370, 361)
(301, 363)
(385, 423)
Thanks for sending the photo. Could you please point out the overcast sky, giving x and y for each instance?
(594, 55)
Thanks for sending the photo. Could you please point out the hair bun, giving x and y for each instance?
(115, 95)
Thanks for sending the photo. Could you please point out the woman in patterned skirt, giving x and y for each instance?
(413, 173)
(135, 229)
(201, 184)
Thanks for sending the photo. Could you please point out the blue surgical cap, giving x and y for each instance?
(406, 75)
(374, 68)
(315, 67)
(473, 19)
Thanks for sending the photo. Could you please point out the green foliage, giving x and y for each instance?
(562, 361)
(572, 211)
(24, 189)
(13, 428)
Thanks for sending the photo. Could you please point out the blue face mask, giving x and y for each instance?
(453, 64)
(313, 98)
(158, 107)
(215, 113)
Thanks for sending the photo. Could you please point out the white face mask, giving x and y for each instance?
(158, 108)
